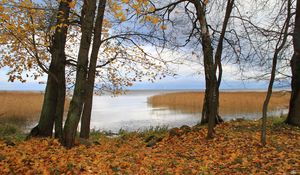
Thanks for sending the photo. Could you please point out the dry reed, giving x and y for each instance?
(23, 105)
(230, 102)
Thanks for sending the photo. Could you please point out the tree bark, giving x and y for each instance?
(60, 103)
(210, 76)
(77, 101)
(55, 88)
(87, 110)
(217, 65)
(294, 108)
(204, 118)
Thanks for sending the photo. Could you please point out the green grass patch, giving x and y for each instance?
(11, 132)
(158, 131)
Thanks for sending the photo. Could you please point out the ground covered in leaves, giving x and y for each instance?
(236, 149)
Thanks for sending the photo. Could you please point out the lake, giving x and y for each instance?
(132, 112)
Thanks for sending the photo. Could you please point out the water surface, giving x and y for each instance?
(132, 112)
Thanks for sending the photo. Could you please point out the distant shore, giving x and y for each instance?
(28, 103)
(230, 102)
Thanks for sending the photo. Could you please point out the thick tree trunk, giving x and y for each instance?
(87, 110)
(77, 101)
(210, 77)
(294, 109)
(45, 125)
(60, 103)
(55, 88)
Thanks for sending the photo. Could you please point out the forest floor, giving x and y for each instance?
(236, 149)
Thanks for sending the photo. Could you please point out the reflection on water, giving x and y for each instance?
(131, 112)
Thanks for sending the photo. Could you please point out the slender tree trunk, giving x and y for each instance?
(55, 87)
(77, 101)
(204, 118)
(279, 46)
(294, 109)
(218, 55)
(87, 110)
(267, 100)
(217, 65)
(210, 77)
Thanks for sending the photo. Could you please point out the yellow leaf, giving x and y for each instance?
(125, 1)
(72, 4)
(163, 27)
(155, 20)
(151, 9)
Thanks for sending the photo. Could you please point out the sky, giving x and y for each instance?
(187, 78)
(165, 84)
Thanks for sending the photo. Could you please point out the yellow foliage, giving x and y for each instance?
(125, 1)
(72, 4)
(155, 20)
(123, 18)
(19, 29)
(163, 27)
(151, 9)
(116, 7)
(148, 18)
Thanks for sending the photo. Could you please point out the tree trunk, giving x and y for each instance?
(77, 101)
(294, 109)
(210, 77)
(60, 103)
(267, 100)
(204, 118)
(55, 87)
(87, 110)
(279, 46)
(217, 65)
(218, 55)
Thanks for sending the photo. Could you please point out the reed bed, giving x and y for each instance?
(21, 105)
(230, 102)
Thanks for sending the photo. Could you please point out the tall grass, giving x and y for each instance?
(230, 102)
(21, 105)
